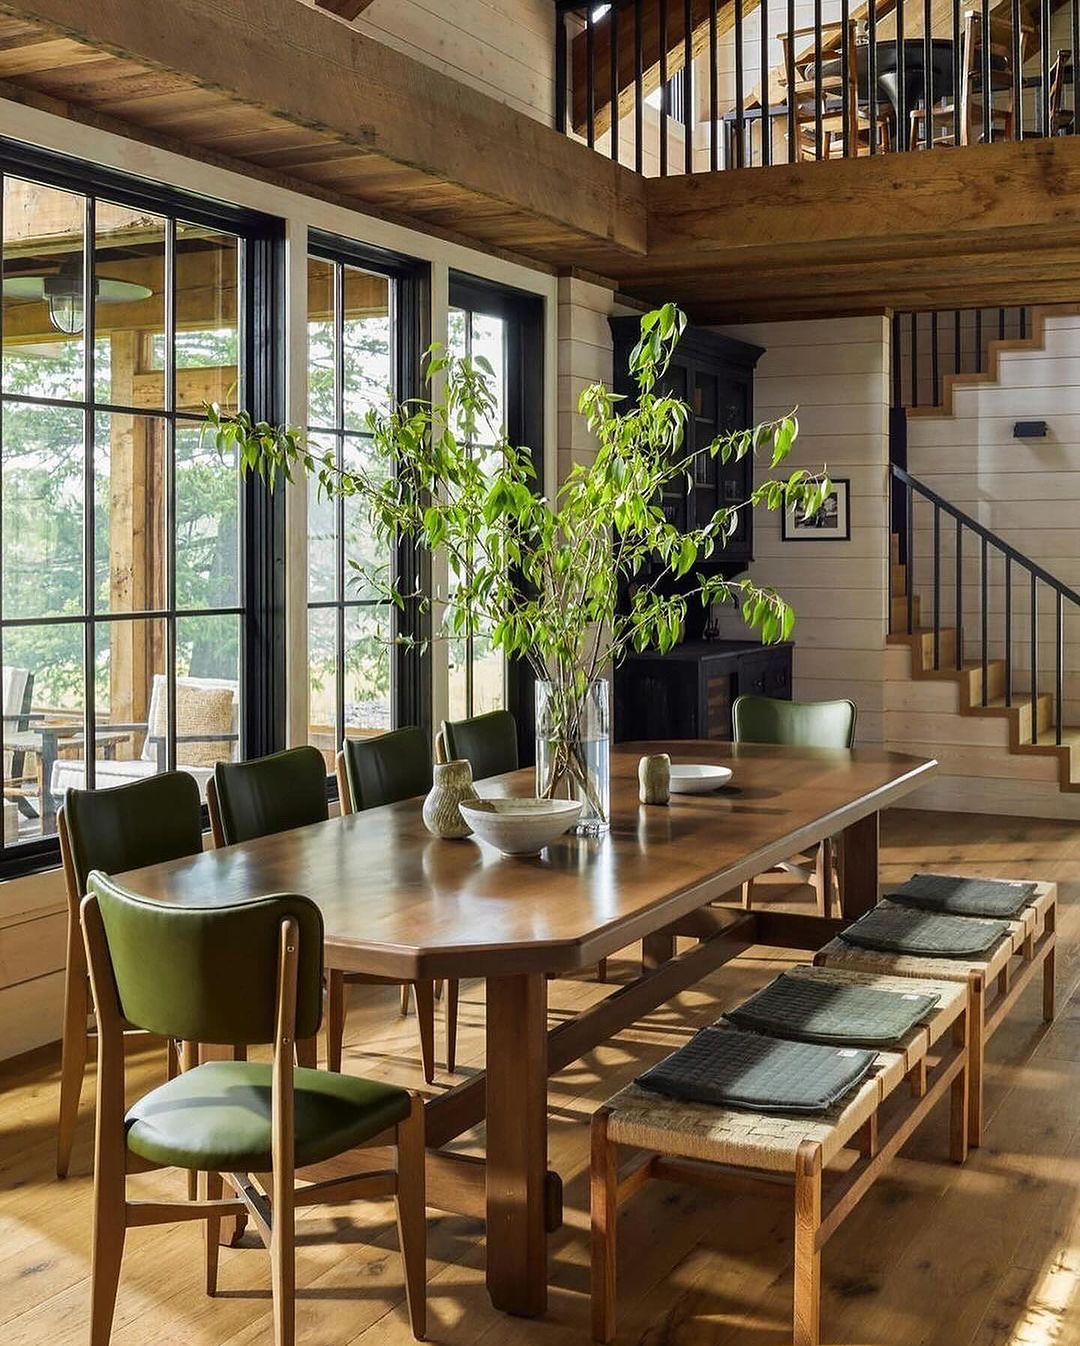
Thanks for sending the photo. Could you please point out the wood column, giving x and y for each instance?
(517, 1068)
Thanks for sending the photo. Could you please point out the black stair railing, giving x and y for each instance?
(910, 492)
(673, 86)
(928, 347)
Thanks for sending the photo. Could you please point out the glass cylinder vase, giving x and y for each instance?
(573, 749)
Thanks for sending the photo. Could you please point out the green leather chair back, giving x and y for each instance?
(144, 823)
(796, 724)
(388, 768)
(271, 794)
(208, 974)
(488, 742)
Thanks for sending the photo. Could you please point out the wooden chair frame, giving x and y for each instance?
(78, 1030)
(815, 1218)
(830, 41)
(273, 1211)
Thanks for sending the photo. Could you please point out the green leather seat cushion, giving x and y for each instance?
(217, 1117)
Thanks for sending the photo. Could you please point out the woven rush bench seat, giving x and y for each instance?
(995, 982)
(705, 1144)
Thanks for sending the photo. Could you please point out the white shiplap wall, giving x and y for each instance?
(836, 372)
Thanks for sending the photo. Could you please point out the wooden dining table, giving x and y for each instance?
(400, 903)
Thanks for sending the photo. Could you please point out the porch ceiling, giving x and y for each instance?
(274, 89)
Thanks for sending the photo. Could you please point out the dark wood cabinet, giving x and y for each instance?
(688, 693)
(714, 376)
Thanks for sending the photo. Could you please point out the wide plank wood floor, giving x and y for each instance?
(988, 1255)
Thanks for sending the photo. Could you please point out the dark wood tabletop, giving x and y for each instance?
(399, 902)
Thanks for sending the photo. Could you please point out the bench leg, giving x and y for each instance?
(976, 1052)
(604, 1200)
(1049, 965)
(807, 1318)
(959, 1092)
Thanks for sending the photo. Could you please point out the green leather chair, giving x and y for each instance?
(799, 724)
(144, 823)
(251, 973)
(270, 794)
(384, 769)
(489, 743)
(372, 772)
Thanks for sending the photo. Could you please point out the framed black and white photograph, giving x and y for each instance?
(832, 522)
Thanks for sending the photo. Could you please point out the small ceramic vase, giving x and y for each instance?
(453, 783)
(654, 779)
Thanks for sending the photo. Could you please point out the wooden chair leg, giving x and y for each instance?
(110, 1184)
(822, 878)
(601, 970)
(214, 1188)
(189, 1059)
(807, 1317)
(406, 991)
(452, 989)
(335, 1018)
(976, 1050)
(748, 895)
(425, 1015)
(1049, 970)
(439, 989)
(73, 1055)
(411, 1203)
(604, 1202)
(307, 1053)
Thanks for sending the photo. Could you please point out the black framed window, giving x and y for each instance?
(506, 327)
(140, 579)
(365, 336)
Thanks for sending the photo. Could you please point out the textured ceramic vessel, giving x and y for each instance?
(452, 785)
(521, 826)
(654, 778)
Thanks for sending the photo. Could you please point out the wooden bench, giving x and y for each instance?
(995, 982)
(703, 1144)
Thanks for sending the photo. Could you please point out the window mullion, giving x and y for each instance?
(339, 505)
(170, 491)
(89, 503)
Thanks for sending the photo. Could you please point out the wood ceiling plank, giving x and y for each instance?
(294, 63)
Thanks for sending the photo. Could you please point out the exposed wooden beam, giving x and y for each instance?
(344, 9)
(273, 81)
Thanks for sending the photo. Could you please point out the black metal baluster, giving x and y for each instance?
(903, 136)
(914, 359)
(789, 75)
(909, 558)
(871, 71)
(958, 354)
(740, 155)
(1001, 324)
(1008, 631)
(984, 581)
(937, 587)
(714, 90)
(928, 74)
(959, 639)
(978, 341)
(561, 52)
(613, 82)
(688, 87)
(935, 372)
(957, 40)
(1044, 53)
(984, 52)
(639, 89)
(1059, 673)
(662, 14)
(590, 78)
(819, 136)
(1017, 74)
(1023, 324)
(766, 118)
(897, 363)
(848, 115)
(1034, 661)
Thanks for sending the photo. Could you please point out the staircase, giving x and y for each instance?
(1004, 683)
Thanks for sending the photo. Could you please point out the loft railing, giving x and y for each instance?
(928, 348)
(680, 86)
(953, 537)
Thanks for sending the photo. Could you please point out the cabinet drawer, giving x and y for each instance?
(767, 674)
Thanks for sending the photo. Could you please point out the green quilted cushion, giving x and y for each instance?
(216, 1118)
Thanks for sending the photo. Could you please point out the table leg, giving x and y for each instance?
(656, 950)
(517, 1143)
(859, 866)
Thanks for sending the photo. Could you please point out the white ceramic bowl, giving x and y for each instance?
(520, 826)
(691, 779)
